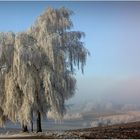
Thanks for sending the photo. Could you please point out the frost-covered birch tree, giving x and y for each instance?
(38, 68)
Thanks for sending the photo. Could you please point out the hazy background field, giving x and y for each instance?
(86, 115)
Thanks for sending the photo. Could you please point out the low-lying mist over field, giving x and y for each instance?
(85, 115)
(103, 113)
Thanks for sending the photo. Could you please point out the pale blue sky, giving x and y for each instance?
(112, 36)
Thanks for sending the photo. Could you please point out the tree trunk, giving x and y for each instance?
(24, 128)
(39, 129)
(32, 125)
